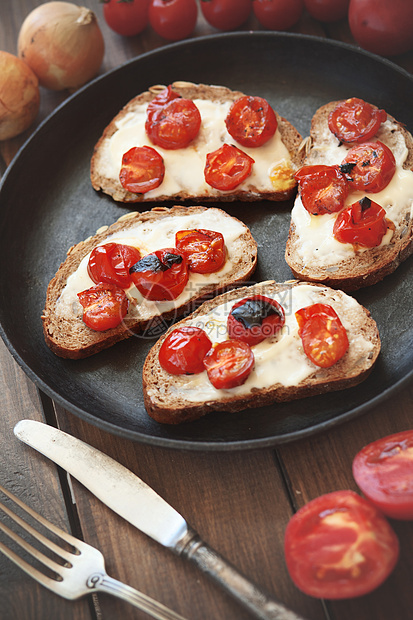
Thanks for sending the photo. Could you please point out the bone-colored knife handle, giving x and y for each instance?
(192, 547)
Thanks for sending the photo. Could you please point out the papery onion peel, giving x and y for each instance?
(62, 43)
(19, 96)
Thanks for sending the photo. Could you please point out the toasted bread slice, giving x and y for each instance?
(65, 332)
(271, 178)
(312, 252)
(282, 371)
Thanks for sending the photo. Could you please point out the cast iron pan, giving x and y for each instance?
(47, 204)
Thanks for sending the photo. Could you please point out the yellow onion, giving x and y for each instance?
(19, 96)
(62, 43)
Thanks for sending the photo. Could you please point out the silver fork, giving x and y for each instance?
(84, 569)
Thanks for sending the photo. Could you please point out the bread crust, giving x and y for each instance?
(219, 94)
(365, 268)
(350, 370)
(71, 338)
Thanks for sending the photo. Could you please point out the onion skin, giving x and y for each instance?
(63, 44)
(19, 96)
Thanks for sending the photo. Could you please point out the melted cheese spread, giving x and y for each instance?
(148, 237)
(279, 359)
(317, 243)
(184, 168)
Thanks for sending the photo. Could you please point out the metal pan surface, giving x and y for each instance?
(47, 204)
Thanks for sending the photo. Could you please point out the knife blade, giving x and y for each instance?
(131, 498)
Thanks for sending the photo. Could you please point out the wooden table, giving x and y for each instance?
(239, 502)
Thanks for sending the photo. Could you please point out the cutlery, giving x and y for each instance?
(83, 567)
(135, 501)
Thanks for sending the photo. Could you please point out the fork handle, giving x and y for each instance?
(104, 583)
(192, 547)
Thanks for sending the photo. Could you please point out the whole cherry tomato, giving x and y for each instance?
(355, 120)
(174, 125)
(253, 319)
(323, 189)
(204, 250)
(111, 262)
(229, 363)
(278, 14)
(183, 350)
(384, 472)
(322, 333)
(161, 275)
(227, 167)
(369, 167)
(173, 19)
(142, 170)
(382, 27)
(251, 121)
(126, 17)
(363, 223)
(104, 306)
(327, 10)
(226, 14)
(339, 546)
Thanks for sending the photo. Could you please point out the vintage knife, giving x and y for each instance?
(135, 501)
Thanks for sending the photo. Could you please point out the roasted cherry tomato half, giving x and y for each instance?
(363, 223)
(183, 350)
(142, 170)
(161, 275)
(251, 121)
(173, 125)
(355, 120)
(229, 363)
(384, 472)
(323, 189)
(255, 318)
(104, 306)
(339, 546)
(369, 167)
(322, 333)
(160, 100)
(204, 250)
(111, 263)
(227, 167)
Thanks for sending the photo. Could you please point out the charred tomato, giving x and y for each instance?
(369, 167)
(323, 189)
(363, 223)
(255, 318)
(161, 275)
(251, 121)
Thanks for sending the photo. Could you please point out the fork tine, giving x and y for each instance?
(74, 542)
(46, 581)
(66, 555)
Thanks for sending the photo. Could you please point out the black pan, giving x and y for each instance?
(47, 204)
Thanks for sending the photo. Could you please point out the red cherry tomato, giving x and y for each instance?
(104, 306)
(183, 351)
(363, 223)
(204, 250)
(322, 333)
(142, 170)
(323, 189)
(251, 121)
(111, 262)
(126, 17)
(229, 363)
(162, 275)
(327, 10)
(382, 27)
(278, 14)
(227, 167)
(226, 14)
(355, 120)
(384, 472)
(339, 546)
(255, 318)
(174, 125)
(369, 167)
(173, 19)
(160, 101)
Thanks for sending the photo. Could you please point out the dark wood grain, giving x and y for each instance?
(239, 502)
